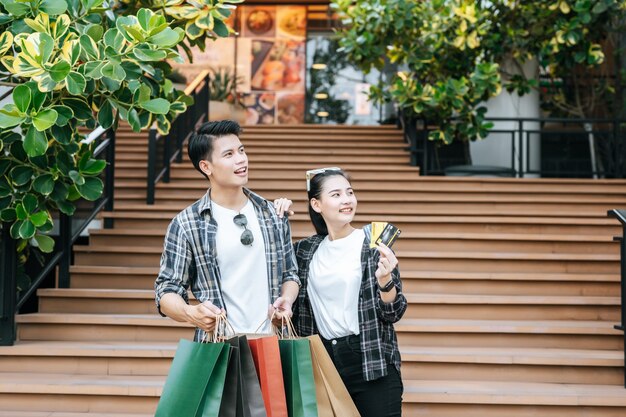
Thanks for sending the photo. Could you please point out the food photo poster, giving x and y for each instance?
(271, 53)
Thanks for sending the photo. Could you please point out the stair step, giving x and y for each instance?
(469, 306)
(4, 413)
(120, 277)
(80, 393)
(449, 398)
(562, 334)
(567, 366)
(459, 261)
(462, 242)
(558, 334)
(160, 216)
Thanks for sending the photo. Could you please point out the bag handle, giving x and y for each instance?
(222, 330)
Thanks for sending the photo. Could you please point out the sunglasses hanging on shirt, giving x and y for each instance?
(246, 237)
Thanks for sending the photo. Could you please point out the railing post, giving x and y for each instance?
(8, 287)
(520, 167)
(152, 155)
(65, 243)
(425, 156)
(166, 156)
(621, 216)
(110, 179)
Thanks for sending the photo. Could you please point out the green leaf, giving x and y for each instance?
(156, 106)
(30, 203)
(143, 54)
(44, 184)
(60, 70)
(81, 109)
(166, 38)
(22, 97)
(16, 9)
(89, 47)
(38, 97)
(75, 83)
(63, 135)
(53, 7)
(21, 175)
(77, 178)
(45, 243)
(114, 71)
(8, 215)
(27, 230)
(95, 32)
(10, 118)
(66, 207)
(65, 114)
(143, 17)
(45, 119)
(35, 142)
(39, 218)
(220, 28)
(92, 188)
(20, 212)
(105, 115)
(94, 166)
(133, 120)
(15, 229)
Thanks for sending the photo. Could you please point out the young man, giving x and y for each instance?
(232, 247)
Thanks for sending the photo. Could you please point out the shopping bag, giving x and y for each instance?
(195, 382)
(340, 398)
(232, 404)
(295, 355)
(324, 408)
(249, 387)
(266, 356)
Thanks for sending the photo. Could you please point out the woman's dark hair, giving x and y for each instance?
(201, 142)
(315, 191)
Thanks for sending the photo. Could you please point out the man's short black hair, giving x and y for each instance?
(201, 142)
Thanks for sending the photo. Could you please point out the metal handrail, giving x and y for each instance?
(621, 216)
(423, 151)
(165, 149)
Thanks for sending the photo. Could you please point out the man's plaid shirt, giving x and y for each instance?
(379, 343)
(190, 257)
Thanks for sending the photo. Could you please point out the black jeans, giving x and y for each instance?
(379, 398)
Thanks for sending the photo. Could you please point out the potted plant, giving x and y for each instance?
(224, 103)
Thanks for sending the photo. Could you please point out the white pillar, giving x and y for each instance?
(496, 148)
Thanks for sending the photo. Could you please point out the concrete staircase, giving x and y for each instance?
(513, 286)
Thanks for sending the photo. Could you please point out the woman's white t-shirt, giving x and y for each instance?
(243, 270)
(334, 284)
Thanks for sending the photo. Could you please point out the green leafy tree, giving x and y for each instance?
(78, 64)
(456, 54)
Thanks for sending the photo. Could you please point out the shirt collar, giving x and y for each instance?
(205, 201)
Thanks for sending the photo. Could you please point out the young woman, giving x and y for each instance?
(351, 295)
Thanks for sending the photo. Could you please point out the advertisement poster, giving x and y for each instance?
(271, 60)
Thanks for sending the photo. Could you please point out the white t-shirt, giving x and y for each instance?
(243, 270)
(334, 284)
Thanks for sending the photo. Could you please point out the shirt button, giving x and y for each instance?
(334, 342)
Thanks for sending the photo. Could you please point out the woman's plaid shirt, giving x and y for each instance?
(189, 256)
(379, 344)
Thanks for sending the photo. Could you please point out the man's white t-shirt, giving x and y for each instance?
(334, 285)
(243, 270)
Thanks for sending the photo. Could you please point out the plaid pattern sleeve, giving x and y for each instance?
(379, 343)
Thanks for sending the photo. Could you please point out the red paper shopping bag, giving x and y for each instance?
(266, 355)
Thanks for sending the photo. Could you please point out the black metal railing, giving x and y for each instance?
(165, 149)
(70, 228)
(576, 148)
(621, 216)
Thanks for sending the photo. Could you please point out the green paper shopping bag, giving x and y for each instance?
(195, 383)
(295, 356)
